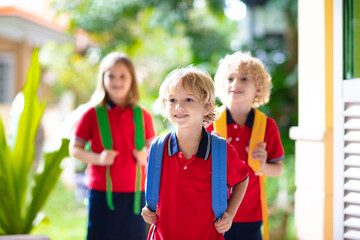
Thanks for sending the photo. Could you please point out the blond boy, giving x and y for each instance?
(184, 210)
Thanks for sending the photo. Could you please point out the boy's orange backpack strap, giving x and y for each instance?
(220, 125)
(257, 136)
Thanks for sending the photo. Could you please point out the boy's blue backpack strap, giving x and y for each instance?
(219, 188)
(154, 172)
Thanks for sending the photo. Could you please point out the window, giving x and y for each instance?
(346, 119)
(347, 129)
(6, 77)
(351, 31)
(352, 170)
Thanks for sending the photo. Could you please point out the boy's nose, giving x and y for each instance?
(179, 107)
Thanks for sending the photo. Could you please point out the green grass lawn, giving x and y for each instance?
(65, 218)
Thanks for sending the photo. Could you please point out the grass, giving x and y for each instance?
(66, 219)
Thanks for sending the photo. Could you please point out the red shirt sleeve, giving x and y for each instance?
(274, 147)
(237, 170)
(86, 125)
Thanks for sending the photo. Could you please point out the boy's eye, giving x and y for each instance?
(171, 100)
(188, 100)
(230, 79)
(244, 79)
(122, 76)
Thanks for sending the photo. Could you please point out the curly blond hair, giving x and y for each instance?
(253, 67)
(196, 82)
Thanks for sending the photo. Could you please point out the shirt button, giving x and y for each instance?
(237, 139)
(235, 126)
(185, 167)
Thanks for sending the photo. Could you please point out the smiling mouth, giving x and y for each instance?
(118, 87)
(181, 115)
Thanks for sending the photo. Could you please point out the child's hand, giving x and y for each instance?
(224, 223)
(140, 156)
(260, 154)
(107, 157)
(149, 216)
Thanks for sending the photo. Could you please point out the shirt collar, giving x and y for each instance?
(204, 146)
(110, 104)
(249, 120)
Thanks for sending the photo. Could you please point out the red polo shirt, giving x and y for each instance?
(123, 170)
(185, 210)
(250, 207)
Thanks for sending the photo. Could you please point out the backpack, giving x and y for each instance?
(257, 135)
(218, 174)
(106, 139)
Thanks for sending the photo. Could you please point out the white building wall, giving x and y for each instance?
(309, 135)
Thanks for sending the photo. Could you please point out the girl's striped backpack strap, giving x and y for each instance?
(139, 128)
(104, 127)
(139, 145)
(219, 188)
(106, 139)
(154, 171)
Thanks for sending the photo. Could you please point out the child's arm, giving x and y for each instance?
(270, 169)
(273, 169)
(149, 216)
(224, 223)
(106, 157)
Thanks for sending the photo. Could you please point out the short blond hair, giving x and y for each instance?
(253, 66)
(196, 82)
(100, 95)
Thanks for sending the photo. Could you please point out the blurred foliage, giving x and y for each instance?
(70, 70)
(160, 35)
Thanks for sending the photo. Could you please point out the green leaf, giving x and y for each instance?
(45, 181)
(4, 153)
(5, 197)
(29, 121)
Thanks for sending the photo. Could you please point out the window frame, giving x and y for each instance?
(8, 76)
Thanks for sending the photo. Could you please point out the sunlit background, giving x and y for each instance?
(159, 36)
